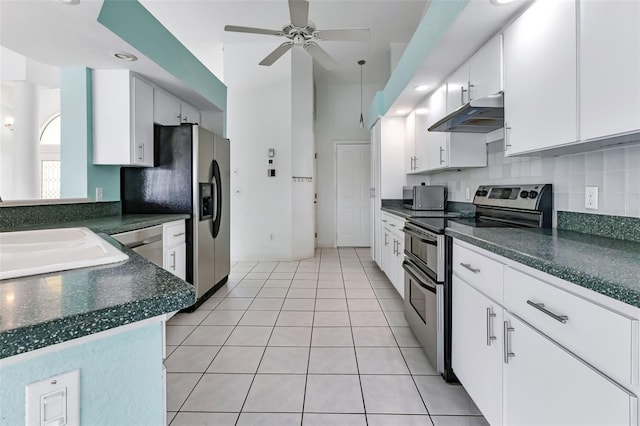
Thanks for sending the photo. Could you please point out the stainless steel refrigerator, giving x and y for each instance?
(191, 176)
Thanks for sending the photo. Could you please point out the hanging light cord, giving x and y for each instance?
(361, 62)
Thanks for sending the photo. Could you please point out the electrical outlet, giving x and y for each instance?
(467, 194)
(99, 194)
(591, 197)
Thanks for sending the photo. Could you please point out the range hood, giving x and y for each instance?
(481, 115)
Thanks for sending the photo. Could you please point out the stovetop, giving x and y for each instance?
(438, 225)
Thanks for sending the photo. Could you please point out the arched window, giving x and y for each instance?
(50, 157)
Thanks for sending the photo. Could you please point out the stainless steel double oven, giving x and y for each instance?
(424, 287)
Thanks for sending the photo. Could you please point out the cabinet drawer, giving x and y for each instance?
(393, 222)
(481, 272)
(174, 233)
(604, 338)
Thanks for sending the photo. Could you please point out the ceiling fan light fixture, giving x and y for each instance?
(361, 63)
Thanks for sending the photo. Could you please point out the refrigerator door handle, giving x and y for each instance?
(218, 194)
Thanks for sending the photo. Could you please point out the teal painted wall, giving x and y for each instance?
(79, 177)
(120, 379)
(137, 26)
(434, 24)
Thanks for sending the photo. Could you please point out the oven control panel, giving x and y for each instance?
(522, 197)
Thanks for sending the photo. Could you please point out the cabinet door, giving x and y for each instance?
(410, 142)
(609, 68)
(175, 260)
(476, 352)
(189, 114)
(547, 385)
(421, 148)
(166, 108)
(540, 101)
(457, 89)
(485, 72)
(437, 141)
(399, 272)
(142, 122)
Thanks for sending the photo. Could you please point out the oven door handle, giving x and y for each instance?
(419, 237)
(424, 282)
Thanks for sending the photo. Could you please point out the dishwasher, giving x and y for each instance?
(147, 242)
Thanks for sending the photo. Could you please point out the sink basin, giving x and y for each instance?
(25, 253)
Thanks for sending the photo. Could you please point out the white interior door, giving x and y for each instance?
(353, 201)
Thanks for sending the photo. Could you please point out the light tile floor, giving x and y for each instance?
(322, 341)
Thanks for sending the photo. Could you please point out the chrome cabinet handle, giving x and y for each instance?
(393, 224)
(441, 152)
(178, 235)
(469, 267)
(506, 343)
(540, 306)
(179, 118)
(507, 145)
(470, 86)
(141, 147)
(490, 336)
(384, 220)
(395, 246)
(462, 92)
(173, 256)
(386, 242)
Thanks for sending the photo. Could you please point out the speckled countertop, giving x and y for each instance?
(605, 265)
(42, 310)
(109, 224)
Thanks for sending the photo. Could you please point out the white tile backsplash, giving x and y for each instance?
(615, 171)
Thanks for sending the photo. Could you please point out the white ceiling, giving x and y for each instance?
(199, 25)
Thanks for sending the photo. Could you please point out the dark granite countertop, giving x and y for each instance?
(407, 213)
(605, 265)
(109, 224)
(42, 310)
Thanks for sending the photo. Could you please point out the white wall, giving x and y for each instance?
(337, 113)
(260, 115)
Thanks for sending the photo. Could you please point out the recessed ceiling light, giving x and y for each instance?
(500, 2)
(422, 111)
(125, 56)
(422, 88)
(402, 111)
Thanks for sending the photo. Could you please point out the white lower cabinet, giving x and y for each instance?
(543, 369)
(544, 384)
(393, 250)
(477, 348)
(175, 248)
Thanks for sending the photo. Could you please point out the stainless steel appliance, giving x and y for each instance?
(425, 197)
(147, 242)
(191, 176)
(427, 265)
(480, 115)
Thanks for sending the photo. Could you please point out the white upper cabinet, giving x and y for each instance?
(410, 142)
(166, 108)
(458, 88)
(436, 141)
(485, 70)
(189, 114)
(609, 68)
(540, 71)
(122, 119)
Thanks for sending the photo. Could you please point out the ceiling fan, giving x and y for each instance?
(302, 32)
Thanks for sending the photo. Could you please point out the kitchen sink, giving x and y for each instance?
(25, 253)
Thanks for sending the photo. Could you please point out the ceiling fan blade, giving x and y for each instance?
(346, 34)
(251, 30)
(320, 55)
(276, 54)
(299, 12)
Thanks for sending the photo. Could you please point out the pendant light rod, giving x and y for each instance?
(361, 62)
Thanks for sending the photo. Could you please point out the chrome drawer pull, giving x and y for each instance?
(178, 235)
(506, 343)
(490, 338)
(540, 306)
(468, 266)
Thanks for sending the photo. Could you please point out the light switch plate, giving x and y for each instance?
(591, 197)
(54, 401)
